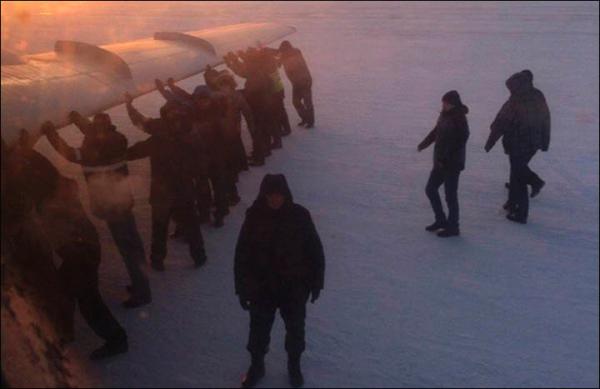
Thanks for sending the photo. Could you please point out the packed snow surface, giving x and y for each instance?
(502, 305)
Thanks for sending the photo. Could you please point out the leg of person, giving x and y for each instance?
(534, 181)
(286, 129)
(203, 198)
(293, 313)
(451, 179)
(221, 208)
(187, 216)
(308, 104)
(436, 179)
(262, 315)
(80, 274)
(129, 243)
(518, 188)
(160, 227)
(298, 104)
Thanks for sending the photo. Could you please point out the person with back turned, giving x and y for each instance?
(523, 123)
(279, 263)
(297, 71)
(450, 135)
(103, 157)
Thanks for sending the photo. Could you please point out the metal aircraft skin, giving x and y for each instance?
(89, 79)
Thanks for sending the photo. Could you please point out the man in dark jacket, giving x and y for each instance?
(523, 123)
(102, 156)
(450, 136)
(279, 262)
(257, 91)
(206, 110)
(297, 71)
(171, 187)
(54, 202)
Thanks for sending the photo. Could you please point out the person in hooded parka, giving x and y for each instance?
(279, 263)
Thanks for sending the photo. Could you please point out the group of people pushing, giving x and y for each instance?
(196, 154)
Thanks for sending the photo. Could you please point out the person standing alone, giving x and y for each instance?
(279, 263)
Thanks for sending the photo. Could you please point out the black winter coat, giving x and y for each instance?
(277, 249)
(450, 136)
(295, 67)
(171, 163)
(523, 121)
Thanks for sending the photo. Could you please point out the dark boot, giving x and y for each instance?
(302, 123)
(514, 218)
(256, 162)
(134, 302)
(294, 372)
(198, 262)
(435, 226)
(536, 187)
(276, 144)
(508, 206)
(218, 223)
(448, 232)
(116, 345)
(157, 265)
(256, 371)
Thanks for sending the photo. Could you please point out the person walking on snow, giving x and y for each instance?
(523, 123)
(450, 136)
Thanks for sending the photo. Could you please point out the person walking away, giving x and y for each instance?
(279, 263)
(297, 72)
(102, 156)
(450, 136)
(523, 123)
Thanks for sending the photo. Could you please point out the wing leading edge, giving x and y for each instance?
(89, 79)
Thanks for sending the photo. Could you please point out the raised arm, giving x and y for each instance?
(135, 116)
(71, 154)
(83, 123)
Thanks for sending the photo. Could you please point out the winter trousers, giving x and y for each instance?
(79, 275)
(520, 176)
(450, 180)
(125, 234)
(302, 100)
(292, 308)
(185, 216)
(283, 119)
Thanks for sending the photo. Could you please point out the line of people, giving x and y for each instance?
(196, 154)
(523, 123)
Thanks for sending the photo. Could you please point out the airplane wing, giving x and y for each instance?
(89, 79)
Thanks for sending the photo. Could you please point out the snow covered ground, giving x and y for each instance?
(503, 305)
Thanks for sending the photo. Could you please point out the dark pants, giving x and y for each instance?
(129, 243)
(520, 176)
(185, 216)
(302, 100)
(450, 180)
(292, 308)
(221, 183)
(283, 119)
(204, 197)
(79, 274)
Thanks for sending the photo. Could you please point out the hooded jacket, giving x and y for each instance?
(277, 248)
(450, 135)
(294, 65)
(524, 120)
